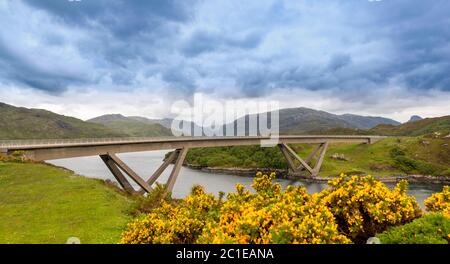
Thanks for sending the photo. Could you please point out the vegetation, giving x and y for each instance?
(432, 127)
(433, 228)
(363, 206)
(130, 126)
(244, 156)
(300, 120)
(23, 123)
(430, 229)
(351, 210)
(391, 156)
(40, 203)
(134, 128)
(439, 202)
(44, 204)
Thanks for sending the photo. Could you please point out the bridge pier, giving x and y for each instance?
(124, 183)
(117, 166)
(291, 156)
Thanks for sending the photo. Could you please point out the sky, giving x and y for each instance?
(87, 58)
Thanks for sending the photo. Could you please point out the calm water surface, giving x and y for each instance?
(145, 163)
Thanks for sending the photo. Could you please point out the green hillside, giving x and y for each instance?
(391, 156)
(24, 123)
(301, 120)
(131, 126)
(427, 126)
(44, 204)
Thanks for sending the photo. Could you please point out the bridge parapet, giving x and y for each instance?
(39, 143)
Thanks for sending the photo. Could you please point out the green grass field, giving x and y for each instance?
(44, 204)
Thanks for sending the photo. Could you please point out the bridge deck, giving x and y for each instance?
(67, 148)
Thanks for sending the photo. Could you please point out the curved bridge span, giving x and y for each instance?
(107, 149)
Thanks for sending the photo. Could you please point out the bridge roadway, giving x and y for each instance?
(40, 150)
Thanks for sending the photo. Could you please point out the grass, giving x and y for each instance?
(430, 229)
(429, 158)
(44, 204)
(427, 126)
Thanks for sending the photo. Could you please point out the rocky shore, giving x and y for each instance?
(284, 174)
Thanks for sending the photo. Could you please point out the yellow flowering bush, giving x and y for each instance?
(272, 216)
(173, 223)
(352, 209)
(439, 202)
(364, 206)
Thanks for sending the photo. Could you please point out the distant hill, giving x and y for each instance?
(414, 118)
(132, 126)
(292, 121)
(165, 122)
(24, 123)
(425, 126)
(366, 122)
(308, 121)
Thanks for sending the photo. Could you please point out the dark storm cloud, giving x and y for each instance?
(417, 57)
(181, 79)
(18, 71)
(345, 46)
(125, 18)
(204, 41)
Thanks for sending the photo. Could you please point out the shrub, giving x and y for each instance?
(3, 157)
(364, 206)
(411, 166)
(439, 202)
(352, 209)
(173, 223)
(272, 216)
(430, 229)
(268, 216)
(154, 199)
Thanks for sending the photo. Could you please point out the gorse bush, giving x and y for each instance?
(154, 199)
(352, 209)
(364, 206)
(272, 216)
(439, 202)
(181, 223)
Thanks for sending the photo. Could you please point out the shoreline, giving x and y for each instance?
(283, 174)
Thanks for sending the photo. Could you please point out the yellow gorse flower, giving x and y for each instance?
(351, 209)
(439, 202)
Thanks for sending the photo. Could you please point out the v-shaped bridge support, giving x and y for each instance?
(117, 166)
(305, 164)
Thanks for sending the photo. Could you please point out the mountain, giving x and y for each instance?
(307, 121)
(131, 126)
(427, 126)
(24, 123)
(414, 118)
(165, 122)
(366, 122)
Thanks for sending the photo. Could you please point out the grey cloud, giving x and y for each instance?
(361, 46)
(124, 18)
(180, 79)
(338, 61)
(16, 70)
(204, 41)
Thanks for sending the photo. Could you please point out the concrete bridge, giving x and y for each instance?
(107, 149)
